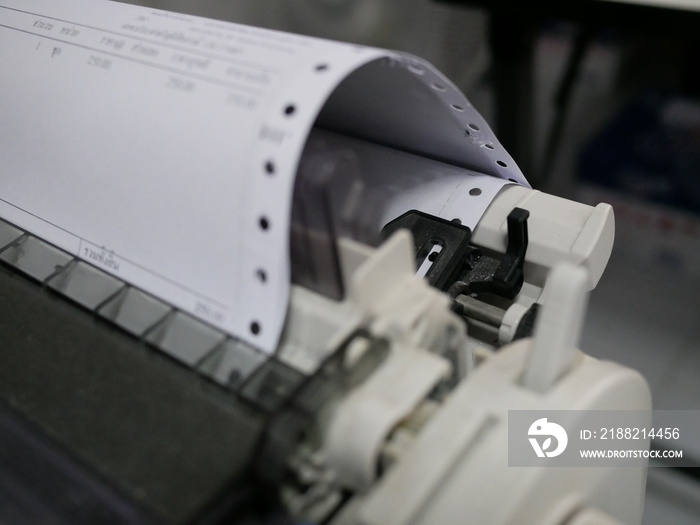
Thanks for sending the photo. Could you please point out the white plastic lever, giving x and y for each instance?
(558, 327)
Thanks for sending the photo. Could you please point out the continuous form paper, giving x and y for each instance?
(162, 147)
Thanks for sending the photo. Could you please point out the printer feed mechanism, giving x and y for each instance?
(388, 395)
(168, 172)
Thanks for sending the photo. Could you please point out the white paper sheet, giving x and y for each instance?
(162, 147)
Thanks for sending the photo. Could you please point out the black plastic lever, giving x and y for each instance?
(428, 231)
(508, 278)
(459, 267)
(504, 276)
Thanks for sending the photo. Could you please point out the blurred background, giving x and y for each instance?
(597, 101)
